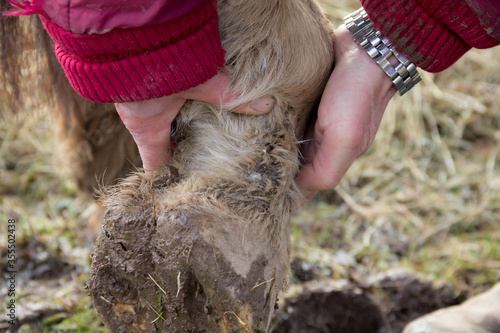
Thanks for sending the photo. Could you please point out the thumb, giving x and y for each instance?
(217, 91)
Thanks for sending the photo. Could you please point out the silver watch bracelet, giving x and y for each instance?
(404, 75)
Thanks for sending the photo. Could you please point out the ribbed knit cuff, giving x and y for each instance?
(130, 65)
(433, 34)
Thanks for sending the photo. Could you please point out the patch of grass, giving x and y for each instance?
(82, 320)
(52, 253)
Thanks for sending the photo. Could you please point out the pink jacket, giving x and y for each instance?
(488, 12)
(97, 16)
(434, 34)
(131, 50)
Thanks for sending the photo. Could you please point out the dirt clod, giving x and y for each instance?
(321, 309)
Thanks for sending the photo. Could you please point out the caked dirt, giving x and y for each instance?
(170, 272)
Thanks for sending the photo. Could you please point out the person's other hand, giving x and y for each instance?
(349, 115)
(150, 121)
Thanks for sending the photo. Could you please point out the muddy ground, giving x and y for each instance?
(52, 292)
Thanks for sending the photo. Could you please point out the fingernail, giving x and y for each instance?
(262, 105)
(307, 196)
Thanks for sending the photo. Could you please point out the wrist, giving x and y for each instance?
(358, 63)
(402, 72)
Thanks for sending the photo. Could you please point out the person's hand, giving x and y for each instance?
(349, 115)
(149, 121)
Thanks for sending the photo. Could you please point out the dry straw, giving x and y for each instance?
(426, 196)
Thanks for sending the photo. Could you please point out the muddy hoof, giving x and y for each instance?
(180, 270)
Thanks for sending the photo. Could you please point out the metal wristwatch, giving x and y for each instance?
(404, 75)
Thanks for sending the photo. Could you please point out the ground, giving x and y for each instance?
(412, 227)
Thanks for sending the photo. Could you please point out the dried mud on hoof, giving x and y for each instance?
(175, 270)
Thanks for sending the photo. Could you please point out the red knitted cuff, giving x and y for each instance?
(433, 34)
(129, 65)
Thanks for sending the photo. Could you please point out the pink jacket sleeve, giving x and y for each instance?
(488, 12)
(434, 34)
(98, 16)
(131, 50)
